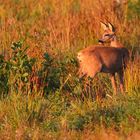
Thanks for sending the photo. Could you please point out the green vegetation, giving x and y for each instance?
(41, 96)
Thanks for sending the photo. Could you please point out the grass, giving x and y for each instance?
(25, 116)
(41, 96)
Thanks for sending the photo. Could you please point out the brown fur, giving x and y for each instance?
(98, 58)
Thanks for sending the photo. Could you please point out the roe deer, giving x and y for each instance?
(98, 58)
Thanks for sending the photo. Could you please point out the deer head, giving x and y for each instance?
(109, 33)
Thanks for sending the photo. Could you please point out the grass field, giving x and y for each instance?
(41, 96)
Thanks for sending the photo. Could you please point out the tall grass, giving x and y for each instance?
(41, 96)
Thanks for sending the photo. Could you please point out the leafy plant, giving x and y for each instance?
(20, 66)
(3, 75)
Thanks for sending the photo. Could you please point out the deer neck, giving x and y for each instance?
(115, 43)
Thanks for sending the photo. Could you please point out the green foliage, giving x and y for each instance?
(133, 9)
(76, 122)
(75, 6)
(54, 73)
(117, 115)
(20, 66)
(16, 71)
(59, 112)
(3, 76)
(51, 125)
(50, 73)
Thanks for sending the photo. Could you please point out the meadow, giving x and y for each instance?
(41, 96)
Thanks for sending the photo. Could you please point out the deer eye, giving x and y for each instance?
(107, 34)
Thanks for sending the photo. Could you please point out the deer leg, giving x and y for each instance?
(88, 85)
(121, 78)
(112, 77)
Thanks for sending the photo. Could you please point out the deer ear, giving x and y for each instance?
(104, 26)
(111, 27)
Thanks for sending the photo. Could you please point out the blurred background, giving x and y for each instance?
(66, 25)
